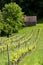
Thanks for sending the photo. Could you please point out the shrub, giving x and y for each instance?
(1, 20)
(13, 18)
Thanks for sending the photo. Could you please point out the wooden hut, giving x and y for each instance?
(30, 20)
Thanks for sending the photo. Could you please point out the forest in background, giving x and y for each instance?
(29, 7)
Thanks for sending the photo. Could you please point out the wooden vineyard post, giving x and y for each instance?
(8, 55)
(18, 43)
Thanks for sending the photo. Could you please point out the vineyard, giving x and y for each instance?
(21, 46)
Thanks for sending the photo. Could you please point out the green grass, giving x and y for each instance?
(36, 57)
(33, 58)
(3, 56)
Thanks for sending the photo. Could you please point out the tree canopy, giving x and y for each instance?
(11, 19)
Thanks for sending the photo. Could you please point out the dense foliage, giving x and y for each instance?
(1, 24)
(30, 7)
(12, 19)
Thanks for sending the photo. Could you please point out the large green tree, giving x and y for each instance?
(11, 19)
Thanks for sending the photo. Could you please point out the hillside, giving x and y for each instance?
(23, 48)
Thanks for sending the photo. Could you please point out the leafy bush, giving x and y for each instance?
(1, 24)
(13, 18)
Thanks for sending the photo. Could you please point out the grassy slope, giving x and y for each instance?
(32, 58)
(36, 57)
(3, 56)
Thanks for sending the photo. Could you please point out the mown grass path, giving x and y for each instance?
(36, 57)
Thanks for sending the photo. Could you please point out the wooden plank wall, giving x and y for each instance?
(30, 20)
